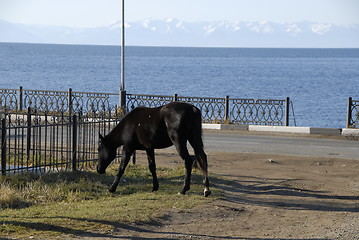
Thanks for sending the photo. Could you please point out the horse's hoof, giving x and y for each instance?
(155, 188)
(112, 190)
(206, 193)
(181, 193)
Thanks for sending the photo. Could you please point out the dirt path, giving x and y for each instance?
(265, 197)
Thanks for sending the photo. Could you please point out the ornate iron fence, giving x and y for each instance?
(9, 99)
(57, 101)
(44, 131)
(224, 110)
(353, 113)
(214, 110)
(137, 100)
(43, 143)
(260, 111)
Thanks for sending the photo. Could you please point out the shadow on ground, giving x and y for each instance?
(120, 227)
(277, 193)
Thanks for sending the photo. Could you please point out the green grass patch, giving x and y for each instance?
(65, 203)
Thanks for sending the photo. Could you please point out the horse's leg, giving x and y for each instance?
(188, 161)
(202, 162)
(152, 166)
(125, 158)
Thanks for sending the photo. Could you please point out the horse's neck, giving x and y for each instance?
(115, 136)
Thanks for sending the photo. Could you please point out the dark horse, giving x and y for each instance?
(153, 128)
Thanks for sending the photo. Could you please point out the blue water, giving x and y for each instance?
(318, 81)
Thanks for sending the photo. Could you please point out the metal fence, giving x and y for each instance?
(224, 110)
(68, 102)
(44, 131)
(353, 113)
(214, 110)
(43, 143)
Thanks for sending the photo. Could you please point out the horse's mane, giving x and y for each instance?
(117, 128)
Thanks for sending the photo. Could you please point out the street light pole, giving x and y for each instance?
(123, 47)
(122, 88)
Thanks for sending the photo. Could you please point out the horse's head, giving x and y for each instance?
(106, 154)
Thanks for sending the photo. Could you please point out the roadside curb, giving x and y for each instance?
(350, 132)
(284, 129)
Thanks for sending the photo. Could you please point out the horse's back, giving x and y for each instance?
(181, 112)
(159, 127)
(182, 118)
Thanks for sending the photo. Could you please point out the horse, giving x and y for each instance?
(154, 128)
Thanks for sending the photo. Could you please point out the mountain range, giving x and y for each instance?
(174, 32)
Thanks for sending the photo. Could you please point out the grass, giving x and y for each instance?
(66, 204)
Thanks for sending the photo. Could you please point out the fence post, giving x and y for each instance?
(74, 142)
(20, 99)
(123, 101)
(175, 97)
(70, 101)
(28, 135)
(3, 146)
(134, 157)
(349, 113)
(226, 109)
(287, 103)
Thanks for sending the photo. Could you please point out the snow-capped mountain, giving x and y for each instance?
(174, 32)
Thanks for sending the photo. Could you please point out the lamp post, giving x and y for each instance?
(122, 88)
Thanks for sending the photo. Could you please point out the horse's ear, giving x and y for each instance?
(101, 137)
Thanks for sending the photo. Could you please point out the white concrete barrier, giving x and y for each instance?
(350, 132)
(214, 126)
(282, 129)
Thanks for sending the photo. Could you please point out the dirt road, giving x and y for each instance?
(265, 196)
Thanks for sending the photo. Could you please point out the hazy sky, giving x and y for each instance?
(89, 13)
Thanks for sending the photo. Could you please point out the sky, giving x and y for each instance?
(93, 13)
